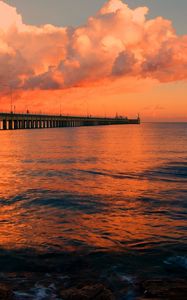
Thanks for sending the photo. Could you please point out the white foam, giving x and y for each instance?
(177, 261)
(127, 278)
(39, 292)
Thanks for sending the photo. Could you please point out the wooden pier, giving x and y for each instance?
(14, 121)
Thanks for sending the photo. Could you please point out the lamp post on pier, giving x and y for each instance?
(11, 100)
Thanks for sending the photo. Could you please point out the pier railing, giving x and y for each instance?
(11, 121)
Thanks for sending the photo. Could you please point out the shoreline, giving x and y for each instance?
(55, 286)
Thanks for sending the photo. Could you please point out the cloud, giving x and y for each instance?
(116, 44)
(9, 17)
(123, 64)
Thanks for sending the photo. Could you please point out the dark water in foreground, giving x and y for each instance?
(94, 199)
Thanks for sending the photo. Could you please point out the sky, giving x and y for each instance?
(97, 57)
(76, 12)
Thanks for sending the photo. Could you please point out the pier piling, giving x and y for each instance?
(10, 121)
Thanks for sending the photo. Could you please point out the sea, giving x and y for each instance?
(106, 203)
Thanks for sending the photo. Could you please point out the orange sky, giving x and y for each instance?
(119, 61)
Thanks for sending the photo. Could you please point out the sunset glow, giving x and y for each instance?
(118, 61)
(93, 155)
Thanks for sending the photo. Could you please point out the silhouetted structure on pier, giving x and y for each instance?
(10, 121)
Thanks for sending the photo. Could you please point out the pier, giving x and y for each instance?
(14, 121)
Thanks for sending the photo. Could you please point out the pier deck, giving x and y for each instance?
(13, 121)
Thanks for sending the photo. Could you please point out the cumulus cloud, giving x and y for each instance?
(9, 17)
(118, 42)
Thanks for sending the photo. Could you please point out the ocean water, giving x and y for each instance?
(94, 200)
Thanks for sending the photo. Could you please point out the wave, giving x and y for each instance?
(176, 262)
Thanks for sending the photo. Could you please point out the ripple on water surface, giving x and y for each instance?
(118, 190)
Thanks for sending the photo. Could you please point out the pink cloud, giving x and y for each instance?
(116, 43)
